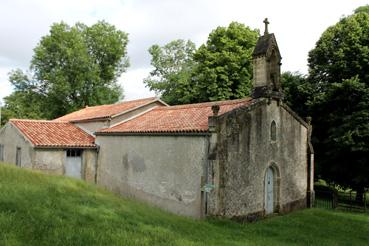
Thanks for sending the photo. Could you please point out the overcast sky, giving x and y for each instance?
(296, 24)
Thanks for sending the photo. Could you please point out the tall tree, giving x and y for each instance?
(224, 69)
(364, 9)
(25, 101)
(342, 52)
(298, 93)
(220, 69)
(173, 65)
(339, 73)
(72, 67)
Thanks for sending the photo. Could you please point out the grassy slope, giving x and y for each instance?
(36, 209)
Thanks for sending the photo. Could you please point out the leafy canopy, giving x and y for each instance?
(297, 92)
(339, 75)
(224, 63)
(72, 66)
(173, 64)
(343, 134)
(342, 52)
(363, 9)
(220, 69)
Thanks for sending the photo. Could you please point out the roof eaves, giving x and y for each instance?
(156, 133)
(140, 106)
(161, 101)
(253, 104)
(133, 117)
(72, 146)
(295, 115)
(92, 119)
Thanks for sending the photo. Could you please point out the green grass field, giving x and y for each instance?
(36, 209)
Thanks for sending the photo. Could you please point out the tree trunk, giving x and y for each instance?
(360, 195)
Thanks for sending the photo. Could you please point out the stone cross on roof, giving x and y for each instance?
(266, 22)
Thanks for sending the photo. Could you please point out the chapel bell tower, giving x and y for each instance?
(267, 67)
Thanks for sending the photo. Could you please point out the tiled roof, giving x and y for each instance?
(104, 111)
(51, 134)
(183, 118)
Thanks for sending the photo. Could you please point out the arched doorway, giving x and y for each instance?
(269, 191)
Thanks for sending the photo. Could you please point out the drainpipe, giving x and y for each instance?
(97, 162)
(310, 167)
(0, 113)
(211, 151)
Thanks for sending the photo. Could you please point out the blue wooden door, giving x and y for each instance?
(269, 191)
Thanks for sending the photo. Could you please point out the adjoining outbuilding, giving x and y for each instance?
(66, 145)
(59, 148)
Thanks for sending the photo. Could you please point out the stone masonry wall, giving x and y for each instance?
(245, 150)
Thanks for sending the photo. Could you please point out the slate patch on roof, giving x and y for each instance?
(263, 43)
(104, 111)
(182, 118)
(44, 133)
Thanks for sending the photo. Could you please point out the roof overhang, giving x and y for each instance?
(198, 134)
(63, 147)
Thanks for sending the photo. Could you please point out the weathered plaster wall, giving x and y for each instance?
(93, 126)
(162, 170)
(50, 161)
(11, 138)
(244, 151)
(89, 162)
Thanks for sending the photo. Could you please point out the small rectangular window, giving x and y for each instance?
(74, 152)
(1, 152)
(18, 157)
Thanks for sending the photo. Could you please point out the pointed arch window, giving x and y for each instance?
(273, 131)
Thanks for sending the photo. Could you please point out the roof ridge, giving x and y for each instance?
(205, 104)
(114, 104)
(90, 112)
(123, 102)
(35, 120)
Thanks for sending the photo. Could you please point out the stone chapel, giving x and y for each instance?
(244, 158)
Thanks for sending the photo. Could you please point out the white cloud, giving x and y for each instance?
(5, 86)
(297, 25)
(132, 84)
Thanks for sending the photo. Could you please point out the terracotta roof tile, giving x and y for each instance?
(44, 133)
(183, 118)
(104, 111)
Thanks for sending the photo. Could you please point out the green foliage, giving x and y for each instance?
(72, 67)
(224, 69)
(221, 69)
(36, 209)
(342, 133)
(339, 76)
(362, 9)
(342, 52)
(325, 189)
(173, 64)
(25, 101)
(297, 91)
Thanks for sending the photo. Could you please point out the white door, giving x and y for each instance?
(269, 192)
(73, 166)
